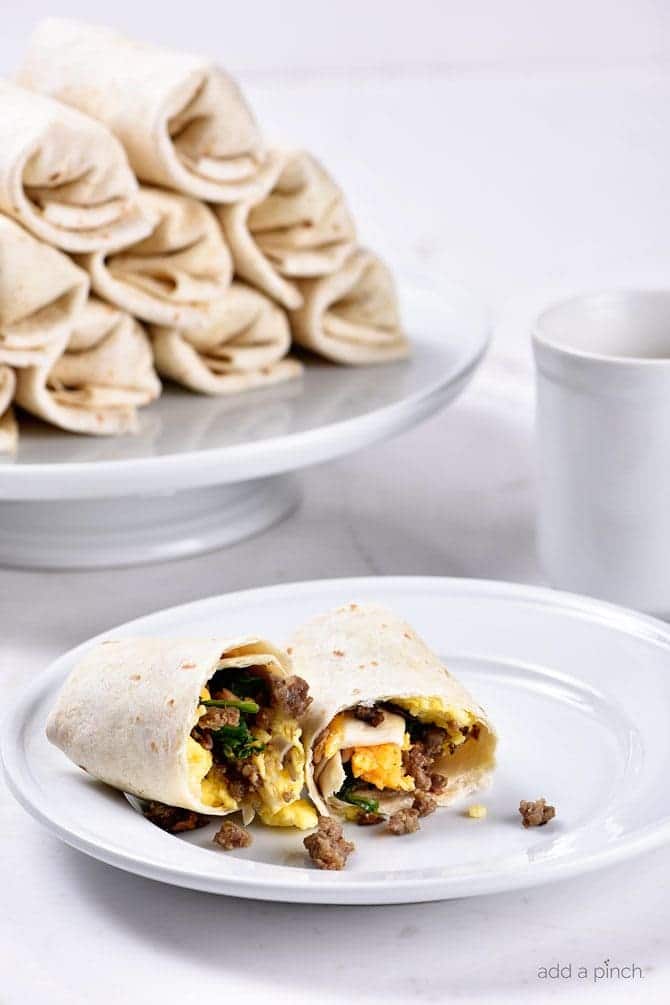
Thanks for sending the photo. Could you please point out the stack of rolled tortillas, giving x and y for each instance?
(146, 229)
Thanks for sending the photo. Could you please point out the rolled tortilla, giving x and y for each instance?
(127, 712)
(41, 293)
(352, 315)
(183, 122)
(9, 431)
(103, 374)
(296, 224)
(367, 655)
(243, 347)
(64, 176)
(175, 274)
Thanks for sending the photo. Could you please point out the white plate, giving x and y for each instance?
(206, 468)
(579, 691)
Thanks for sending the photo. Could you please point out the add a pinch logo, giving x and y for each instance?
(605, 971)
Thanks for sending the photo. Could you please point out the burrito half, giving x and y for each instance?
(206, 725)
(297, 224)
(183, 122)
(243, 347)
(64, 176)
(389, 729)
(352, 315)
(41, 293)
(103, 374)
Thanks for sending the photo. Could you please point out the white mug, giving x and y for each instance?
(603, 436)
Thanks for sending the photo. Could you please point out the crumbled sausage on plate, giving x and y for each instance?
(231, 835)
(327, 847)
(536, 813)
(173, 819)
(424, 803)
(403, 822)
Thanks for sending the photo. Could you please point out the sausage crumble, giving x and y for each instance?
(371, 714)
(231, 835)
(174, 819)
(536, 813)
(327, 847)
(403, 822)
(424, 803)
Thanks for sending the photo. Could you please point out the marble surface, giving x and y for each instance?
(522, 187)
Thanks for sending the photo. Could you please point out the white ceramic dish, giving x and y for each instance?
(578, 689)
(603, 424)
(206, 472)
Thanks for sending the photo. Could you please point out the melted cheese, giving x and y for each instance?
(381, 766)
(283, 779)
(345, 730)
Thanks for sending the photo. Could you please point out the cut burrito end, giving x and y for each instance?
(206, 726)
(244, 751)
(390, 728)
(375, 758)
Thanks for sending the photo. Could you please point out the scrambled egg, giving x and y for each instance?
(300, 814)
(334, 737)
(432, 709)
(280, 803)
(477, 811)
(199, 762)
(382, 766)
(282, 782)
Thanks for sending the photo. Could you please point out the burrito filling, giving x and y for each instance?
(244, 751)
(377, 761)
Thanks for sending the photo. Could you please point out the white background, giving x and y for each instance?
(522, 148)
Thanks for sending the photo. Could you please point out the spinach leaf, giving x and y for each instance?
(348, 794)
(244, 706)
(236, 743)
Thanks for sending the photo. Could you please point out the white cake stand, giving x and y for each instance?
(205, 472)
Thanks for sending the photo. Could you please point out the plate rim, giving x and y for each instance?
(328, 888)
(273, 455)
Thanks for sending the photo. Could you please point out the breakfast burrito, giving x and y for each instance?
(173, 275)
(351, 316)
(390, 731)
(9, 432)
(64, 176)
(183, 121)
(243, 347)
(41, 293)
(95, 384)
(296, 224)
(207, 725)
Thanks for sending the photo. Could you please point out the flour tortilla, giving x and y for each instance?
(183, 121)
(63, 176)
(126, 711)
(361, 654)
(352, 315)
(9, 431)
(99, 379)
(243, 347)
(41, 293)
(296, 224)
(173, 276)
